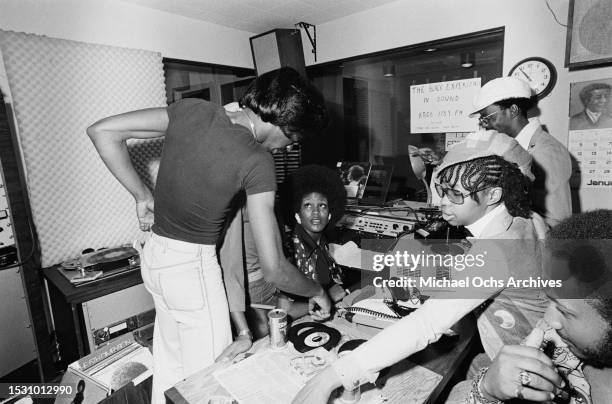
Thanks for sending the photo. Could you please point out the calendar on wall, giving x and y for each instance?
(590, 131)
(592, 149)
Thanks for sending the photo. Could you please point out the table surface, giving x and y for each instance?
(443, 358)
(102, 287)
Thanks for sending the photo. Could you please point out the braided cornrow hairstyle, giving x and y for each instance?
(493, 171)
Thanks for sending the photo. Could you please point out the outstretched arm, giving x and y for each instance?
(109, 136)
(407, 336)
(275, 267)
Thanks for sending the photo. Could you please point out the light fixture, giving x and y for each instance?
(468, 59)
(389, 70)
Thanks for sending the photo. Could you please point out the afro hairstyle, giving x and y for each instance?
(313, 178)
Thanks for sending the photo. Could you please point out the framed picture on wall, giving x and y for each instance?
(590, 133)
(588, 34)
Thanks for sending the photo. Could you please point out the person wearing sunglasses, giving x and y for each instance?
(502, 105)
(484, 184)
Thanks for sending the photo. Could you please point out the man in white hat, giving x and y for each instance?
(502, 105)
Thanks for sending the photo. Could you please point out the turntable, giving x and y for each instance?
(101, 264)
(110, 259)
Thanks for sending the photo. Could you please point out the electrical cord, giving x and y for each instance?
(554, 15)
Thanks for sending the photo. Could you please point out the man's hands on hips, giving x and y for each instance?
(144, 211)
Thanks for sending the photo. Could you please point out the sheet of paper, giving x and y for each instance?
(266, 377)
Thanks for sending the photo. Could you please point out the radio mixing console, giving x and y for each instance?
(390, 222)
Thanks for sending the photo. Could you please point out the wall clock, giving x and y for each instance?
(540, 73)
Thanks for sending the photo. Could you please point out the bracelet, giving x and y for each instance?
(475, 395)
(246, 332)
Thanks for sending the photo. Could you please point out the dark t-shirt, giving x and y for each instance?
(206, 160)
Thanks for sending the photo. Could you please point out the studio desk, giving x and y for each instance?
(424, 377)
(420, 378)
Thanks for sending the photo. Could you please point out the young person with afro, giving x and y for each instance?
(318, 199)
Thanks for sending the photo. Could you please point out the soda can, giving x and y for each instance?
(277, 321)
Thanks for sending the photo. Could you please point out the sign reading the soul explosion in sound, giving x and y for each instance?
(443, 107)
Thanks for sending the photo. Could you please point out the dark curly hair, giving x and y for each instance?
(493, 171)
(589, 225)
(315, 178)
(284, 98)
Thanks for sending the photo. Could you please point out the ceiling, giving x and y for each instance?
(258, 16)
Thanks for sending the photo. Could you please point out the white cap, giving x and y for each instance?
(484, 144)
(499, 89)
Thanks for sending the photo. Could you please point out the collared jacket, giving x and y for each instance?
(552, 167)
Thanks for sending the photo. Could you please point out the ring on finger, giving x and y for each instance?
(524, 378)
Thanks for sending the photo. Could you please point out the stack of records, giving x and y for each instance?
(92, 378)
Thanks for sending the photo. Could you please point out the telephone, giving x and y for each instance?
(373, 307)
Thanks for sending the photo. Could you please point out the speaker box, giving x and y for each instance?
(278, 48)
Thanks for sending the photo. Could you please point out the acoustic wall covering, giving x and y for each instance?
(60, 87)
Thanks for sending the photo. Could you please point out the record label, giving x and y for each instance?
(317, 339)
(319, 336)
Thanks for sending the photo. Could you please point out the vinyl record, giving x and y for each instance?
(109, 258)
(321, 336)
(351, 345)
(109, 254)
(297, 329)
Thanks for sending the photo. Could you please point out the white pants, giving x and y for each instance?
(192, 325)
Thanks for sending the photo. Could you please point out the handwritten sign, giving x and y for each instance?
(443, 107)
